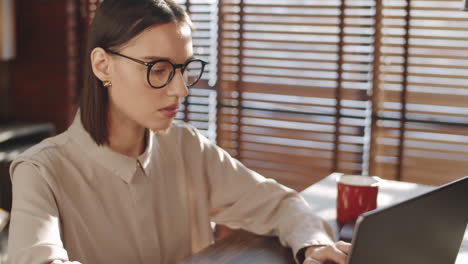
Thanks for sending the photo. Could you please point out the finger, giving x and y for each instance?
(343, 246)
(330, 253)
(310, 260)
(337, 255)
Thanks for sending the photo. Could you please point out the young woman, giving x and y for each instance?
(126, 184)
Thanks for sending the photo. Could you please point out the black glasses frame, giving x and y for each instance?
(150, 64)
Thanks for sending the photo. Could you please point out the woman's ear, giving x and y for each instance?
(100, 63)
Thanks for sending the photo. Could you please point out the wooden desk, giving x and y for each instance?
(243, 247)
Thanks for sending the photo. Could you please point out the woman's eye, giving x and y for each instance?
(158, 71)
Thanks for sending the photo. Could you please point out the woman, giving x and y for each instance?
(125, 184)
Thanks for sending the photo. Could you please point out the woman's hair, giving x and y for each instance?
(116, 22)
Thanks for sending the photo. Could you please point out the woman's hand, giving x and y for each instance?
(336, 253)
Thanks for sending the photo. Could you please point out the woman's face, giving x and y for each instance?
(131, 99)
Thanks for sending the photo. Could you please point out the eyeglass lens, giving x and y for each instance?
(161, 72)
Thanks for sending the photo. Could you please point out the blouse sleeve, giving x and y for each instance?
(242, 198)
(34, 235)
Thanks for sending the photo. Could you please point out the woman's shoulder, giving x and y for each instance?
(43, 154)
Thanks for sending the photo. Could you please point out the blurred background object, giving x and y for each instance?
(27, 83)
(7, 52)
(7, 30)
(4, 216)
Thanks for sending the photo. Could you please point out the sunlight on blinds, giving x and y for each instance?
(199, 108)
(283, 65)
(435, 133)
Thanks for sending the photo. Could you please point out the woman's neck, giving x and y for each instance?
(125, 136)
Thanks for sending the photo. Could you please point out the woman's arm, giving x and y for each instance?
(34, 235)
(241, 198)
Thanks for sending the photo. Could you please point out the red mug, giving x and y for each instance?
(356, 195)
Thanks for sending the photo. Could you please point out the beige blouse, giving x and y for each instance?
(74, 200)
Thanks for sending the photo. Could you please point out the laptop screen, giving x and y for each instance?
(426, 229)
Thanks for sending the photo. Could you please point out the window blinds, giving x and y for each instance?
(421, 126)
(294, 86)
(199, 108)
(301, 88)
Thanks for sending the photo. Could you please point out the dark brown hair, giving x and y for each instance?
(116, 22)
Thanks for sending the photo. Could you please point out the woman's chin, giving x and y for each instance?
(161, 129)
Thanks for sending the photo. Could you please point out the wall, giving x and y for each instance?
(44, 73)
(4, 92)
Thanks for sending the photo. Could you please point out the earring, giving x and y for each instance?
(106, 84)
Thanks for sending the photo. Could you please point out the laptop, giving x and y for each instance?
(427, 229)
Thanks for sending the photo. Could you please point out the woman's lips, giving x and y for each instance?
(170, 111)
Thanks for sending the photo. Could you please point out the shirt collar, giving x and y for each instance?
(119, 164)
(145, 157)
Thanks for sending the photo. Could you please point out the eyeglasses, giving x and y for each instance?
(161, 72)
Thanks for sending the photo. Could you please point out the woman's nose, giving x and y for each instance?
(177, 86)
